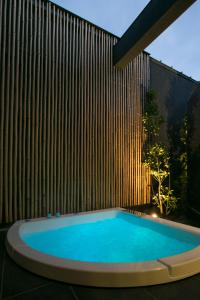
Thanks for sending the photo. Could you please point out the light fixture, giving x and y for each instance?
(154, 215)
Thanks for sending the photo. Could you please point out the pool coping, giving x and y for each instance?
(159, 271)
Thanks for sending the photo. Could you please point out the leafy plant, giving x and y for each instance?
(157, 159)
(183, 157)
(156, 156)
(152, 120)
(178, 139)
(166, 199)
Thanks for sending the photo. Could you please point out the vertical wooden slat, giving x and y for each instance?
(73, 160)
(92, 101)
(39, 116)
(29, 132)
(33, 163)
(17, 142)
(59, 130)
(107, 162)
(53, 115)
(7, 188)
(3, 32)
(24, 103)
(44, 109)
(76, 118)
(85, 107)
(20, 38)
(12, 138)
(87, 113)
(35, 112)
(56, 105)
(65, 107)
(82, 163)
(48, 87)
(103, 121)
(69, 113)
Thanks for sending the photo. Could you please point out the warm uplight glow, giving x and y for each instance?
(154, 215)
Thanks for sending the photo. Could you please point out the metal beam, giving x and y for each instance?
(152, 21)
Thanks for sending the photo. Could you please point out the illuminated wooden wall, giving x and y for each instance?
(70, 123)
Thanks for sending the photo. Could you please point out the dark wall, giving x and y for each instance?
(173, 91)
(70, 123)
(194, 150)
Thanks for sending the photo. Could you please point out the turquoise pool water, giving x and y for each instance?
(121, 239)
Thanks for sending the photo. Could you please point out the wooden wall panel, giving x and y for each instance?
(70, 123)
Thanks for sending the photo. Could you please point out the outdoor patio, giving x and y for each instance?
(80, 111)
(17, 283)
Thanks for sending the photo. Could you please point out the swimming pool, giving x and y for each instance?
(110, 248)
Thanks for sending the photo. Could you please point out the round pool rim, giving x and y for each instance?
(153, 272)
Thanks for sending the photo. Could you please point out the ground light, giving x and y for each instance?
(154, 215)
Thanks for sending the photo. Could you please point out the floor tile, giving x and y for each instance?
(86, 293)
(16, 279)
(2, 256)
(2, 247)
(196, 276)
(51, 292)
(184, 289)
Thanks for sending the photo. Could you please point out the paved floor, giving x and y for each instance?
(17, 283)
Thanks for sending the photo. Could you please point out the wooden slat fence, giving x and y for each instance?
(70, 123)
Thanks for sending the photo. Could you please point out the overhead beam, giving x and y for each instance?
(152, 21)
